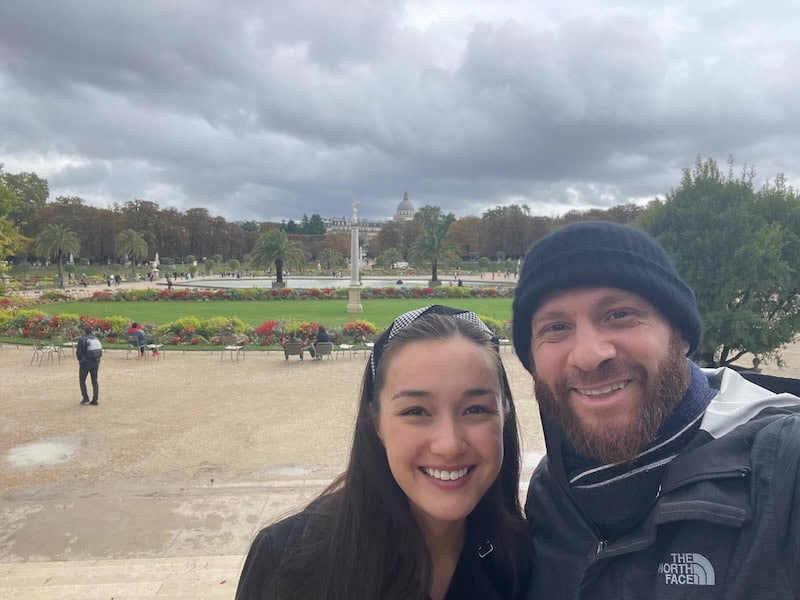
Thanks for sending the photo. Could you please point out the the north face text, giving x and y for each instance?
(687, 568)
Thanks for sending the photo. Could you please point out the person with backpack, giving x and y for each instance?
(88, 351)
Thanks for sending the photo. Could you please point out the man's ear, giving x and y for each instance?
(684, 344)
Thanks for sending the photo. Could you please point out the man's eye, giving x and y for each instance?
(553, 328)
(619, 314)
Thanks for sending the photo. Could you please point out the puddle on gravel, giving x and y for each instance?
(54, 451)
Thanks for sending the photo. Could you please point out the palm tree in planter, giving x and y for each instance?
(275, 248)
(57, 241)
(131, 244)
(432, 246)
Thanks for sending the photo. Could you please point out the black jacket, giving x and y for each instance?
(80, 351)
(472, 580)
(725, 525)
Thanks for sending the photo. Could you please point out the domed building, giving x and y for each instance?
(405, 210)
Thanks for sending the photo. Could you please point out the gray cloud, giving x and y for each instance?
(271, 110)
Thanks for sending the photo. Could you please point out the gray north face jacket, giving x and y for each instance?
(725, 524)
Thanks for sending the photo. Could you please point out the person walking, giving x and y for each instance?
(88, 352)
(662, 480)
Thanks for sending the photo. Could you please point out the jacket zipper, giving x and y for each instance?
(736, 474)
(601, 545)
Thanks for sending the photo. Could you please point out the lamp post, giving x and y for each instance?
(354, 289)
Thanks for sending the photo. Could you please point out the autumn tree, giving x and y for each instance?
(465, 233)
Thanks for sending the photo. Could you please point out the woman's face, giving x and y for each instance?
(441, 422)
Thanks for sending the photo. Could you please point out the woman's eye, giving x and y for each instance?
(477, 409)
(414, 411)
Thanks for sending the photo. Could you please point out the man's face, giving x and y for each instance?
(608, 367)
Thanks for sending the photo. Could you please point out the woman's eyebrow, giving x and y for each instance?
(410, 393)
(479, 391)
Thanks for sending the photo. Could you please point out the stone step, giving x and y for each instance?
(207, 577)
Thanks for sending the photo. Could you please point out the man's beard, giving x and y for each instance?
(606, 444)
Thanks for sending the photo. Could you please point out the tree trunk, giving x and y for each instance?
(278, 271)
(60, 270)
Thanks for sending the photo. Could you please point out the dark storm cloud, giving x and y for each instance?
(271, 110)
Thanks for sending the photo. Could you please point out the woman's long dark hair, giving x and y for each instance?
(361, 539)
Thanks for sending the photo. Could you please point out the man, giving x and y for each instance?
(322, 336)
(88, 351)
(661, 480)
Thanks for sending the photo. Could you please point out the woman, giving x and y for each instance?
(135, 330)
(428, 506)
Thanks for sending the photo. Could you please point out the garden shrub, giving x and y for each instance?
(119, 325)
(268, 333)
(502, 329)
(357, 332)
(305, 331)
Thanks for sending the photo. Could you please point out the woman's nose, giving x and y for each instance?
(448, 440)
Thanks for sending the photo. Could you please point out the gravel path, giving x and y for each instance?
(192, 416)
(187, 417)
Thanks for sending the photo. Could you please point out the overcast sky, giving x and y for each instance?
(267, 110)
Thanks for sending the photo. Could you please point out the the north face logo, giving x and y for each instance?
(687, 568)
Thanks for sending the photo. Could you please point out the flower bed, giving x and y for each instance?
(205, 295)
(191, 331)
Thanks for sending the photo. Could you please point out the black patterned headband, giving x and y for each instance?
(407, 318)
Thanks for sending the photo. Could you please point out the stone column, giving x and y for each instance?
(354, 289)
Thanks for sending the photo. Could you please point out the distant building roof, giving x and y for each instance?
(405, 210)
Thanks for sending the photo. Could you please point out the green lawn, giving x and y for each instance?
(331, 313)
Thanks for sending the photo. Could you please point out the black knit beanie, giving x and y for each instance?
(597, 253)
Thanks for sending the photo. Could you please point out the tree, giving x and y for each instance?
(314, 225)
(465, 232)
(132, 245)
(739, 250)
(11, 239)
(57, 241)
(31, 190)
(432, 245)
(275, 247)
(330, 258)
(506, 229)
(389, 258)
(391, 235)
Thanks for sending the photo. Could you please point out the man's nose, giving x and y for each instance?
(591, 348)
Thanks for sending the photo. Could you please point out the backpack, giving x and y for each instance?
(94, 349)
